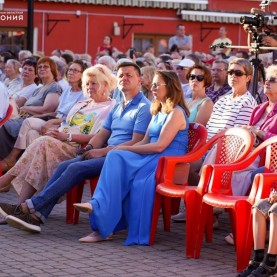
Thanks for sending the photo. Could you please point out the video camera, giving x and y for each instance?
(260, 24)
(258, 20)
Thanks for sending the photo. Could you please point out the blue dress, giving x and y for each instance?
(125, 191)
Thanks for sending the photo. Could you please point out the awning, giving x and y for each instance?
(177, 4)
(215, 17)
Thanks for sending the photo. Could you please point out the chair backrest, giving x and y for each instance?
(197, 134)
(232, 145)
(8, 115)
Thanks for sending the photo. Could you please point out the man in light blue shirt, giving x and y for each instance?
(126, 124)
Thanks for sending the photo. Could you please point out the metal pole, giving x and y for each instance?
(30, 25)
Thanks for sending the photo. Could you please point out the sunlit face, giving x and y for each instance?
(28, 73)
(238, 82)
(44, 70)
(74, 73)
(181, 30)
(158, 88)
(161, 66)
(270, 86)
(194, 82)
(128, 79)
(95, 90)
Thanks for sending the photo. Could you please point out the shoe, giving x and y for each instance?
(263, 270)
(180, 217)
(25, 222)
(218, 211)
(251, 267)
(7, 209)
(3, 220)
(94, 237)
(230, 239)
(83, 207)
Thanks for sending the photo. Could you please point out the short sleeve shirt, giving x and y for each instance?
(123, 122)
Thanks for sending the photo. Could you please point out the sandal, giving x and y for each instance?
(230, 239)
(95, 237)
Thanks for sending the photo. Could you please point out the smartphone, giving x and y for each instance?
(131, 53)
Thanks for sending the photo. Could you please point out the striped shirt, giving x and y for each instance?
(229, 112)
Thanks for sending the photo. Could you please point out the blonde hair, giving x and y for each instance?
(272, 70)
(102, 74)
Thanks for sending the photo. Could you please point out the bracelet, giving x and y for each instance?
(69, 137)
(89, 147)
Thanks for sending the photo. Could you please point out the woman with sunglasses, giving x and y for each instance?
(40, 159)
(200, 107)
(263, 124)
(124, 197)
(230, 110)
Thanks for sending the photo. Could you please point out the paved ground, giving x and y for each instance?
(57, 252)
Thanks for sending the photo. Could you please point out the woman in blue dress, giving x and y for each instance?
(125, 191)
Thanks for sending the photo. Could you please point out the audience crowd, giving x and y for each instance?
(75, 118)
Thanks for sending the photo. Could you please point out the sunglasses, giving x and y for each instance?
(156, 85)
(237, 73)
(199, 78)
(179, 68)
(271, 80)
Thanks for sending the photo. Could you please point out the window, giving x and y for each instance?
(12, 39)
(159, 42)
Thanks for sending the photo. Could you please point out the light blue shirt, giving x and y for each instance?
(67, 100)
(123, 122)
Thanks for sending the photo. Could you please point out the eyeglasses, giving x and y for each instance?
(43, 66)
(74, 70)
(199, 78)
(237, 73)
(271, 80)
(156, 85)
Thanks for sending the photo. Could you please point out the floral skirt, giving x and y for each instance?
(39, 161)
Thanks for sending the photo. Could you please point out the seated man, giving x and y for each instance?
(126, 125)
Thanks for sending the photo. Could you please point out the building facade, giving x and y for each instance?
(80, 25)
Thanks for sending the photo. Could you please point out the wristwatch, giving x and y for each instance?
(69, 137)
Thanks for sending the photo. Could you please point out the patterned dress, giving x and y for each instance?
(43, 155)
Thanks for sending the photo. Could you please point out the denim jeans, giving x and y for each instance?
(66, 176)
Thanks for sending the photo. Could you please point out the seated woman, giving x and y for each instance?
(200, 107)
(43, 100)
(31, 127)
(13, 80)
(263, 265)
(263, 125)
(124, 197)
(28, 86)
(230, 110)
(84, 120)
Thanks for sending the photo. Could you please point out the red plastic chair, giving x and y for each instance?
(75, 196)
(8, 115)
(2, 122)
(219, 194)
(232, 145)
(197, 134)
